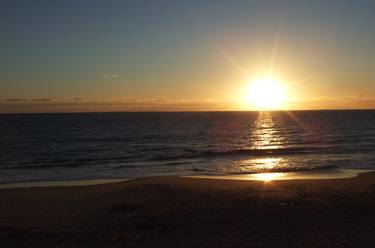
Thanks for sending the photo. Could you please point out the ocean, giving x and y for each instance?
(45, 147)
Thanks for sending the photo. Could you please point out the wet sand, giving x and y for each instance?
(192, 212)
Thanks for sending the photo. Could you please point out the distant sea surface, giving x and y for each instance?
(44, 147)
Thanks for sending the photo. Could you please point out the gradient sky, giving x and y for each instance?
(92, 55)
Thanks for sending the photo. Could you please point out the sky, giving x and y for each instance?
(175, 55)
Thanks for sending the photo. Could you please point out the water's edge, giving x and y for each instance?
(62, 183)
(308, 175)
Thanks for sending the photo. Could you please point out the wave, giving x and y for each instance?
(185, 157)
(190, 154)
(202, 171)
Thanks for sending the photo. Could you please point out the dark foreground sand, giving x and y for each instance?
(187, 212)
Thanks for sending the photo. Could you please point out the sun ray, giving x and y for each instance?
(229, 58)
(302, 80)
(275, 49)
(294, 118)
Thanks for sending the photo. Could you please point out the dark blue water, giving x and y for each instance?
(122, 145)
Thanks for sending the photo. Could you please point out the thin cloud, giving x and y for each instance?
(113, 75)
(15, 100)
(41, 99)
(45, 105)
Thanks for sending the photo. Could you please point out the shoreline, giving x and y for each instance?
(287, 176)
(271, 176)
(60, 183)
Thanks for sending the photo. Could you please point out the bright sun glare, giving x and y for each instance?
(265, 93)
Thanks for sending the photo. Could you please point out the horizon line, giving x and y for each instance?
(183, 111)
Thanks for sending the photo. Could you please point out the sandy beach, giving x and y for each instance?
(192, 212)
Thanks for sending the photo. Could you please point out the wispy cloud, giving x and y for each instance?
(77, 104)
(359, 101)
(127, 104)
(15, 100)
(112, 75)
(41, 99)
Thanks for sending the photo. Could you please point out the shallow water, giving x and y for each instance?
(301, 175)
(45, 147)
(63, 183)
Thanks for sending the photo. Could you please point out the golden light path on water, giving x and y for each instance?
(265, 136)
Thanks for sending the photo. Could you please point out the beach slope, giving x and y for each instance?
(192, 212)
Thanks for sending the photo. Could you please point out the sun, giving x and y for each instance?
(265, 93)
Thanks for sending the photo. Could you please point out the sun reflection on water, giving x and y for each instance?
(266, 163)
(265, 134)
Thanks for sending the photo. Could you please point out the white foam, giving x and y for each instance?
(306, 175)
